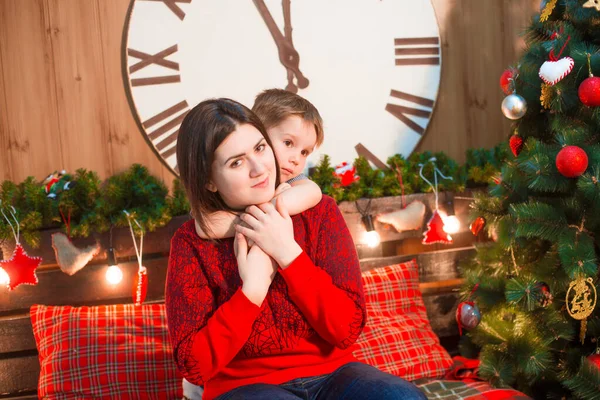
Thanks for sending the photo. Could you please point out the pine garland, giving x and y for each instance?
(90, 205)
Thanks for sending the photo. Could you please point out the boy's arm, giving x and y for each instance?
(302, 195)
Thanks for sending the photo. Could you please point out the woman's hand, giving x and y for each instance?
(272, 230)
(256, 269)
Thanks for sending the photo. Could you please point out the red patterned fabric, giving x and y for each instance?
(398, 338)
(307, 325)
(104, 352)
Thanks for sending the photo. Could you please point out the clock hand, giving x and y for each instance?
(287, 31)
(288, 55)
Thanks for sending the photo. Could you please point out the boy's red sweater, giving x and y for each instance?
(306, 326)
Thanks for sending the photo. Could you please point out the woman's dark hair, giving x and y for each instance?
(203, 129)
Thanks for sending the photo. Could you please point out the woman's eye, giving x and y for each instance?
(236, 163)
(260, 147)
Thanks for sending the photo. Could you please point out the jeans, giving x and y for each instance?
(353, 381)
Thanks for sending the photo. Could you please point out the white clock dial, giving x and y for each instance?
(372, 68)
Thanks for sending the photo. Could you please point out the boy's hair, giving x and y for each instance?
(274, 105)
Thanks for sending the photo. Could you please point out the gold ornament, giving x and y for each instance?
(592, 3)
(547, 10)
(546, 96)
(580, 304)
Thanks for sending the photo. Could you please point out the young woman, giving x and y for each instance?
(275, 320)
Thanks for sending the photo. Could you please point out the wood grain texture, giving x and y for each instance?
(480, 39)
(126, 141)
(29, 128)
(19, 375)
(61, 61)
(16, 334)
(81, 87)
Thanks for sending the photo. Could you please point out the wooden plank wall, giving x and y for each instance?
(19, 367)
(63, 102)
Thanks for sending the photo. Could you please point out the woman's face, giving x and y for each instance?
(243, 170)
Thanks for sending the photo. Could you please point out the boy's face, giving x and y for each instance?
(294, 139)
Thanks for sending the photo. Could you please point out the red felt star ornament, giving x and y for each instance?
(21, 268)
(435, 231)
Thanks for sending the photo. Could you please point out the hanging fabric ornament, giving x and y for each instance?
(20, 268)
(571, 161)
(69, 257)
(580, 301)
(477, 225)
(435, 227)
(516, 144)
(546, 96)
(547, 7)
(589, 90)
(592, 4)
(514, 106)
(468, 315)
(140, 282)
(346, 173)
(406, 219)
(409, 217)
(554, 70)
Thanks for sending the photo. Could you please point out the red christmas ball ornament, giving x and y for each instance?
(477, 225)
(594, 359)
(506, 81)
(571, 161)
(516, 144)
(589, 92)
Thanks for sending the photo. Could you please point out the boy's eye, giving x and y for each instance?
(305, 153)
(288, 143)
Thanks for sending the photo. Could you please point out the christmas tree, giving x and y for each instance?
(535, 285)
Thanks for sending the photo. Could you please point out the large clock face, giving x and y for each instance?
(371, 67)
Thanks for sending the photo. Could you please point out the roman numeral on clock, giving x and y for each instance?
(157, 59)
(170, 119)
(401, 112)
(172, 4)
(417, 51)
(362, 151)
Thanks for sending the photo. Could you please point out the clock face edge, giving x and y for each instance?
(129, 92)
(140, 118)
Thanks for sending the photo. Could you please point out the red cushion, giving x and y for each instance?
(398, 337)
(105, 352)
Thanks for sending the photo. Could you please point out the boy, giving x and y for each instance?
(295, 129)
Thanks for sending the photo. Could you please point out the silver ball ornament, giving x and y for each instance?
(514, 106)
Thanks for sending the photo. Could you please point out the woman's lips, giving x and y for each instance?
(262, 184)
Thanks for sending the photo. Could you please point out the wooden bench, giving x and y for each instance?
(19, 366)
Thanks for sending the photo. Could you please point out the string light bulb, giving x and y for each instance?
(371, 237)
(4, 278)
(114, 275)
(451, 222)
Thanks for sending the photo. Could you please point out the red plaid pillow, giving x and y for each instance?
(105, 352)
(398, 338)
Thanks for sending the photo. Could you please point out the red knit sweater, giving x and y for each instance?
(312, 315)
